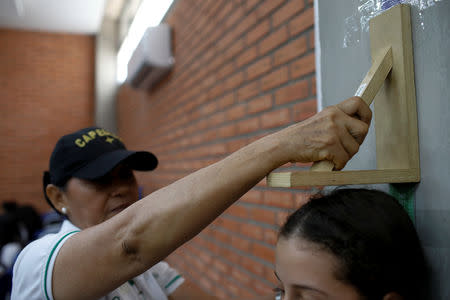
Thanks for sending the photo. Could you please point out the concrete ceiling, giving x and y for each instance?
(69, 16)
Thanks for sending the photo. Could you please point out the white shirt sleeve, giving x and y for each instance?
(167, 278)
(33, 270)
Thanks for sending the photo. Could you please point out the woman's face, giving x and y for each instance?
(89, 203)
(307, 272)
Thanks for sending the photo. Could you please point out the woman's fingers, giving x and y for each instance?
(357, 129)
(356, 107)
(334, 134)
(349, 143)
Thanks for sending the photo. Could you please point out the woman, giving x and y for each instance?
(352, 244)
(112, 240)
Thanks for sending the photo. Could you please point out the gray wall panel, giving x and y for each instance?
(342, 69)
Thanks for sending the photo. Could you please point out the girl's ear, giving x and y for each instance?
(392, 296)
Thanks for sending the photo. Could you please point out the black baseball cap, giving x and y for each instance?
(91, 153)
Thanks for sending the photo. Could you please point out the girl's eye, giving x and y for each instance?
(279, 293)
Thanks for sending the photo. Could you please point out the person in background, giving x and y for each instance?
(352, 244)
(112, 245)
(19, 225)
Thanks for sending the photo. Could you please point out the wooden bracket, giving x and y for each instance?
(397, 145)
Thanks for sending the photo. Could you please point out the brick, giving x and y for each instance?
(275, 118)
(268, 7)
(313, 86)
(213, 275)
(232, 287)
(262, 288)
(209, 108)
(245, 23)
(226, 101)
(221, 266)
(304, 110)
(312, 40)
(264, 252)
(215, 91)
(254, 267)
(248, 91)
(215, 119)
(253, 196)
(235, 16)
(270, 276)
(248, 125)
(270, 236)
(247, 56)
(235, 49)
(222, 236)
(282, 217)
(290, 51)
(230, 225)
(205, 283)
(241, 276)
(47, 90)
(237, 211)
(302, 22)
(258, 32)
(274, 79)
(273, 40)
(230, 255)
(301, 199)
(252, 231)
(259, 104)
(221, 294)
(278, 199)
(259, 68)
(236, 112)
(249, 4)
(288, 10)
(240, 243)
(226, 131)
(225, 70)
(303, 66)
(293, 92)
(235, 145)
(262, 215)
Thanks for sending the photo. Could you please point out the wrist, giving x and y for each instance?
(277, 149)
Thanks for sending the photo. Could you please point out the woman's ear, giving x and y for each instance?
(56, 196)
(392, 296)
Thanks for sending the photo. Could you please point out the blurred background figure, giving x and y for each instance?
(19, 225)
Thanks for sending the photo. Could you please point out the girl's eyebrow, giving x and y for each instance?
(304, 287)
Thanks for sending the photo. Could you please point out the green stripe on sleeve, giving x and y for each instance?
(48, 262)
(172, 281)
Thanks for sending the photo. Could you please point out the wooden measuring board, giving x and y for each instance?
(397, 144)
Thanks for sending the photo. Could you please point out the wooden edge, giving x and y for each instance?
(376, 75)
(311, 178)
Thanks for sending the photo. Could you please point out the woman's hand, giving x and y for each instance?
(334, 134)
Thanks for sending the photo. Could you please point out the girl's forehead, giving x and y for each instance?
(306, 266)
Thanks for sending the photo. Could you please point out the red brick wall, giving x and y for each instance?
(46, 90)
(243, 69)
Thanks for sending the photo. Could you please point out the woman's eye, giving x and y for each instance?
(279, 293)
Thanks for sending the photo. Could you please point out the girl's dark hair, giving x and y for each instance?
(372, 237)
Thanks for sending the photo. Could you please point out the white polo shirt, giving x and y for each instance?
(33, 270)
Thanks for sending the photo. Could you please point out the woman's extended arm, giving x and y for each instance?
(99, 259)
